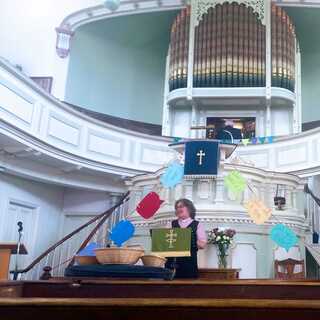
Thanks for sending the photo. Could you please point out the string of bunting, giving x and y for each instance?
(282, 235)
(244, 142)
(234, 182)
(149, 205)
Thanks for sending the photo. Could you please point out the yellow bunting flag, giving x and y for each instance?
(257, 210)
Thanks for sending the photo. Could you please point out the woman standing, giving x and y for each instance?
(187, 267)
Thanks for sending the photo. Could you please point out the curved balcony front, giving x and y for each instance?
(211, 97)
(42, 124)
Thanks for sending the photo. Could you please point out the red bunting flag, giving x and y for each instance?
(149, 205)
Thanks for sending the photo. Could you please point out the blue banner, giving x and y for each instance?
(201, 158)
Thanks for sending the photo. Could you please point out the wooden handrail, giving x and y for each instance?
(106, 213)
(92, 233)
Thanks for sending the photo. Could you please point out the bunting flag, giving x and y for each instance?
(245, 142)
(176, 139)
(173, 175)
(283, 236)
(257, 211)
(149, 205)
(122, 232)
(270, 139)
(235, 182)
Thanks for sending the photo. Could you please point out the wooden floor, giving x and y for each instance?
(148, 299)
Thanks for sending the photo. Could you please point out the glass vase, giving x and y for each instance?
(222, 252)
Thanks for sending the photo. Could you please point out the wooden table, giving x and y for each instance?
(218, 274)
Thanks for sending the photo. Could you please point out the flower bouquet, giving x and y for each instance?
(222, 238)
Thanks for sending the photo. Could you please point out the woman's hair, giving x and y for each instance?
(189, 204)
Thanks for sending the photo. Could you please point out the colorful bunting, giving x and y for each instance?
(258, 212)
(235, 182)
(270, 139)
(149, 205)
(173, 175)
(283, 236)
(122, 232)
(89, 250)
(245, 142)
(176, 139)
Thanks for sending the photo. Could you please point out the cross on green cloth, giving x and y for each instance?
(174, 242)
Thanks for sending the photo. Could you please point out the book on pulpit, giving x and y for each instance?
(173, 242)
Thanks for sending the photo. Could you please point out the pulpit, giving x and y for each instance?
(200, 162)
(6, 250)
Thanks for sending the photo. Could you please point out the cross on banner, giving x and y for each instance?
(173, 242)
(200, 154)
(202, 157)
(171, 238)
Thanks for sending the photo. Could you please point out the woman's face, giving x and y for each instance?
(182, 211)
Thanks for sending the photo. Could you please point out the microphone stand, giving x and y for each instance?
(20, 229)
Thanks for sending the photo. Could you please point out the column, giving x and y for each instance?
(191, 51)
(166, 124)
(268, 67)
(219, 198)
(194, 122)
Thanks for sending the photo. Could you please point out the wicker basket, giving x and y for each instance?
(153, 261)
(118, 255)
(86, 260)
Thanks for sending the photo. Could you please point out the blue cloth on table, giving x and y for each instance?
(118, 271)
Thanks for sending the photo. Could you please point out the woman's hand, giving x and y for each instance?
(201, 244)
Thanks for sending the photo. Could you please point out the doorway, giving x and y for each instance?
(247, 126)
(27, 214)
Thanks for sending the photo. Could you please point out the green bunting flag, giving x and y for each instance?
(235, 182)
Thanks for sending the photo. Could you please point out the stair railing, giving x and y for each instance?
(54, 260)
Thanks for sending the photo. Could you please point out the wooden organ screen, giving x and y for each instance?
(230, 49)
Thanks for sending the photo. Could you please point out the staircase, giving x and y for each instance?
(60, 255)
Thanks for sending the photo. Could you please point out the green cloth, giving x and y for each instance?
(174, 242)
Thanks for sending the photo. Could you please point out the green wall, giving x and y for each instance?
(307, 23)
(117, 66)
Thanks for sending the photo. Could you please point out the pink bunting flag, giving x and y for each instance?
(149, 205)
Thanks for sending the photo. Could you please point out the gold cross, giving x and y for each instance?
(172, 237)
(200, 155)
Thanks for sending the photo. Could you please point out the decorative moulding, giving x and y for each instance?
(199, 176)
(200, 7)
